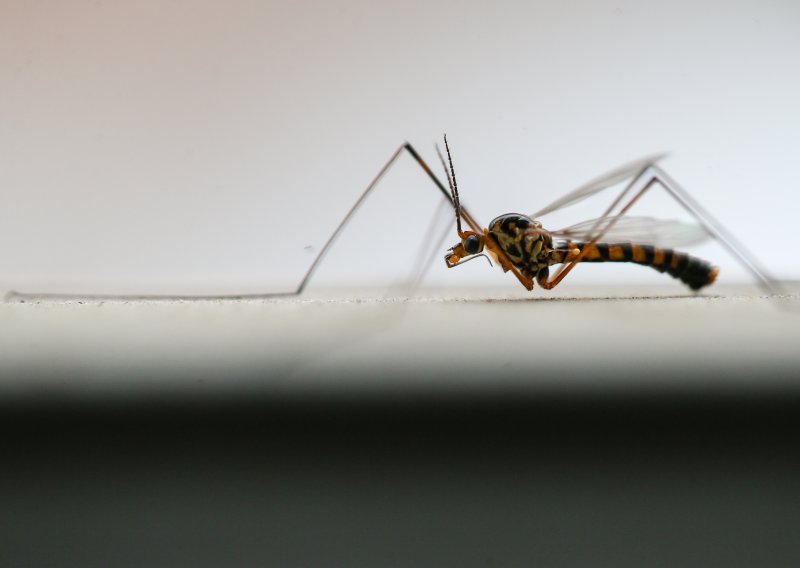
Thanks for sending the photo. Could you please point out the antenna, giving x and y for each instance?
(451, 180)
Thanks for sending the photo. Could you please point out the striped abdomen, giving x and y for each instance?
(690, 270)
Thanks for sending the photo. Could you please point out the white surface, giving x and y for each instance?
(584, 339)
(201, 146)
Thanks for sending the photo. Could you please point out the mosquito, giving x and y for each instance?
(519, 244)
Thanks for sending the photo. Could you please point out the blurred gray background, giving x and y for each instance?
(210, 147)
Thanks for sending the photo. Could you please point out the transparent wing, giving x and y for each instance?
(599, 184)
(644, 230)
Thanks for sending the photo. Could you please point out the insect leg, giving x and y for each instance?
(430, 247)
(410, 149)
(473, 224)
(654, 175)
(326, 247)
(567, 267)
(21, 296)
(13, 295)
(768, 283)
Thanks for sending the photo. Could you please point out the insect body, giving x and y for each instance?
(692, 271)
(531, 251)
(519, 243)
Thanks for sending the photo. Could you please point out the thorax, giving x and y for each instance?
(527, 245)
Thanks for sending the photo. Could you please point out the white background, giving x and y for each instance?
(200, 147)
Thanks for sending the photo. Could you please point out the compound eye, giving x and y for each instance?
(472, 244)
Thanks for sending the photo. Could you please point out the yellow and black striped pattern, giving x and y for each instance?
(523, 240)
(692, 271)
